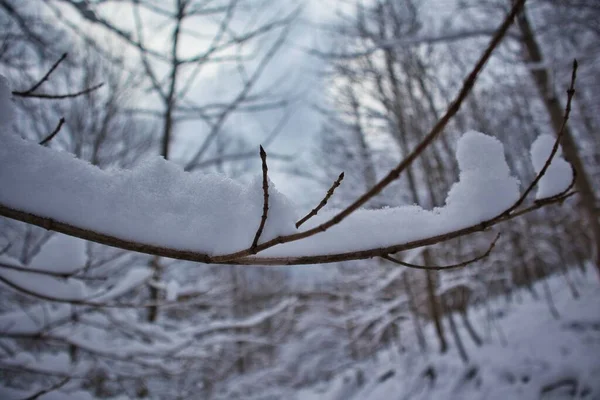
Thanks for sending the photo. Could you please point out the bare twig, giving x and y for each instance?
(48, 138)
(533, 184)
(265, 185)
(44, 78)
(47, 96)
(444, 267)
(52, 388)
(323, 202)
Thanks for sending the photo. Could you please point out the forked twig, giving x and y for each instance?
(48, 138)
(60, 96)
(444, 267)
(265, 186)
(323, 202)
(31, 91)
(533, 184)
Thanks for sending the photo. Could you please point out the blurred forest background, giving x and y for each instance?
(351, 88)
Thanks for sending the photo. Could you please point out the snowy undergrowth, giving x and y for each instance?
(542, 358)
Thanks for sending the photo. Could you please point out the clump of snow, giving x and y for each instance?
(6, 109)
(559, 174)
(156, 203)
(485, 187)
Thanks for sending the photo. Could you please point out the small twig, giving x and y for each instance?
(444, 267)
(533, 184)
(263, 219)
(59, 96)
(48, 390)
(48, 138)
(323, 202)
(44, 78)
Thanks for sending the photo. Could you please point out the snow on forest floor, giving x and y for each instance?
(540, 358)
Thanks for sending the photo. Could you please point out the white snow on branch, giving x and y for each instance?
(60, 254)
(484, 190)
(159, 204)
(559, 174)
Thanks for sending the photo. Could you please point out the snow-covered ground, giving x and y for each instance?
(528, 355)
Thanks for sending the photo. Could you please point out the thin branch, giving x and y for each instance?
(45, 77)
(187, 255)
(533, 184)
(444, 267)
(323, 202)
(48, 390)
(48, 138)
(265, 185)
(59, 96)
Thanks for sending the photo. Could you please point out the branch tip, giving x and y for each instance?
(48, 138)
(323, 202)
(265, 186)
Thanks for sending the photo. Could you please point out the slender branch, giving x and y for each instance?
(533, 184)
(59, 96)
(265, 185)
(187, 255)
(444, 267)
(323, 202)
(44, 78)
(52, 388)
(48, 138)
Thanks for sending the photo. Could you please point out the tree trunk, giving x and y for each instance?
(453, 328)
(472, 332)
(413, 310)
